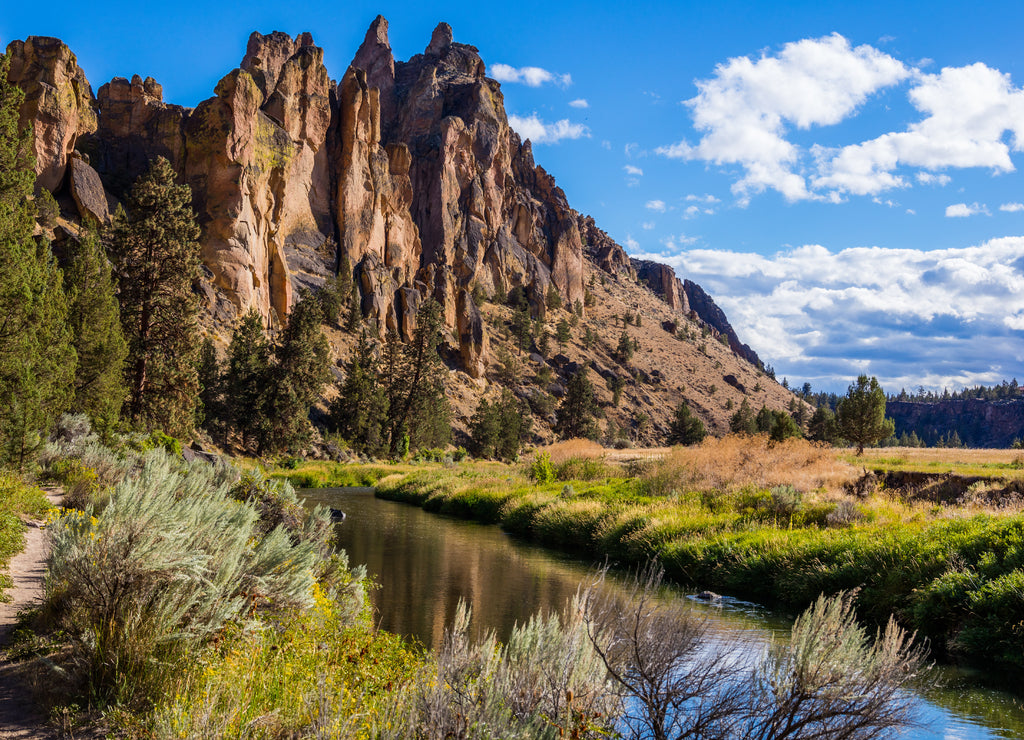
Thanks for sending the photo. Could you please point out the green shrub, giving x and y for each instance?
(541, 469)
(171, 559)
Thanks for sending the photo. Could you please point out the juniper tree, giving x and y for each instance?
(246, 378)
(498, 430)
(37, 361)
(300, 371)
(743, 422)
(861, 414)
(420, 408)
(95, 320)
(576, 415)
(562, 332)
(625, 348)
(686, 428)
(155, 246)
(360, 411)
(210, 411)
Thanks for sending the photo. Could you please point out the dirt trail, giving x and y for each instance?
(19, 717)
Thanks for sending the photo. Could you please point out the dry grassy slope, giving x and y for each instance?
(693, 371)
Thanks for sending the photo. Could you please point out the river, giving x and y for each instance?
(425, 563)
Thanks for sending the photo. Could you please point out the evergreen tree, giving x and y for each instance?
(562, 332)
(355, 311)
(616, 385)
(246, 380)
(360, 411)
(96, 327)
(576, 415)
(822, 426)
(413, 378)
(624, 350)
(498, 430)
(210, 411)
(686, 428)
(553, 299)
(156, 249)
(783, 427)
(743, 421)
(37, 360)
(861, 414)
(765, 420)
(302, 367)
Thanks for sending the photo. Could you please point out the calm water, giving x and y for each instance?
(425, 563)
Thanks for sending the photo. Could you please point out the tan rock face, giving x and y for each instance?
(663, 281)
(407, 169)
(58, 102)
(258, 166)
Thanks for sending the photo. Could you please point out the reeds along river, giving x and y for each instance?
(425, 563)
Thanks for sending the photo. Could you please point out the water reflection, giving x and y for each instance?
(425, 563)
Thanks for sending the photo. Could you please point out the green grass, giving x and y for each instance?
(17, 499)
(955, 576)
(319, 474)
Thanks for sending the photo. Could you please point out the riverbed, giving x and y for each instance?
(425, 563)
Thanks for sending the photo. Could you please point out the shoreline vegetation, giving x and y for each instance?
(775, 523)
(187, 599)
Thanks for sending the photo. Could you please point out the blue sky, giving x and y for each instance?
(841, 177)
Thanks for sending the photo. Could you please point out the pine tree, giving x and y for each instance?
(498, 430)
(211, 413)
(822, 426)
(301, 370)
(360, 411)
(421, 409)
(99, 342)
(743, 422)
(861, 414)
(576, 415)
(156, 249)
(247, 379)
(562, 332)
(37, 360)
(686, 428)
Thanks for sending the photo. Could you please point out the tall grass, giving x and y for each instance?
(722, 516)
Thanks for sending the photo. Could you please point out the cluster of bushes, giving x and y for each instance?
(164, 557)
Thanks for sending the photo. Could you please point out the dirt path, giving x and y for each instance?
(18, 715)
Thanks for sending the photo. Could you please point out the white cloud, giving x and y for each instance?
(579, 103)
(706, 198)
(962, 210)
(678, 241)
(927, 178)
(1012, 207)
(970, 117)
(529, 76)
(744, 111)
(968, 111)
(632, 170)
(945, 317)
(541, 132)
(647, 225)
(632, 244)
(656, 205)
(605, 144)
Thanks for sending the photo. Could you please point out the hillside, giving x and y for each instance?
(407, 174)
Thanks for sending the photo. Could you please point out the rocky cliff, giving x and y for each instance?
(406, 173)
(978, 423)
(707, 310)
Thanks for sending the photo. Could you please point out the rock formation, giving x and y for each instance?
(708, 311)
(405, 172)
(663, 281)
(58, 102)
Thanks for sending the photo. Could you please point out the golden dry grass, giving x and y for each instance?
(738, 461)
(581, 449)
(1007, 464)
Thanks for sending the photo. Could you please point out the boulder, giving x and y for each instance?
(87, 191)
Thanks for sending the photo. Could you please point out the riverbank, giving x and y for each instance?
(952, 572)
